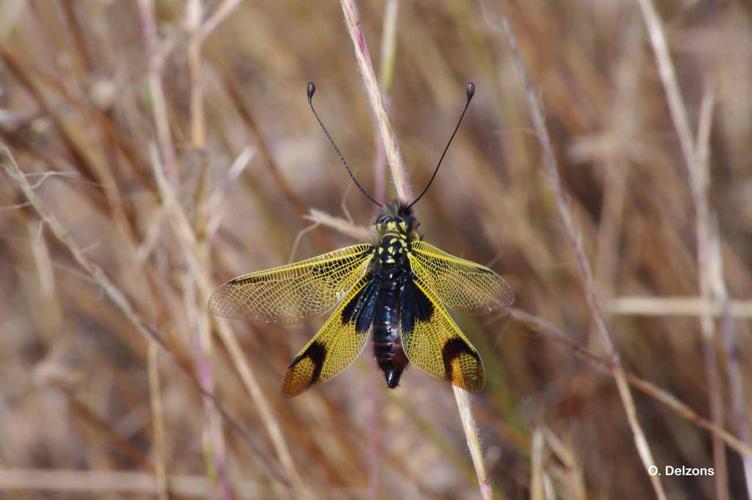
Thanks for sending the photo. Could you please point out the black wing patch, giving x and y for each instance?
(414, 306)
(434, 343)
(453, 349)
(316, 353)
(362, 308)
(337, 343)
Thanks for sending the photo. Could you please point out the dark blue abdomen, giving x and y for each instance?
(387, 343)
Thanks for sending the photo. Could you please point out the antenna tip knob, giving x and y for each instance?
(469, 90)
(310, 90)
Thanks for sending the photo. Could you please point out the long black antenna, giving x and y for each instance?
(469, 92)
(310, 91)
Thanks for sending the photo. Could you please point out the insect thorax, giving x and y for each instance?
(395, 226)
(392, 248)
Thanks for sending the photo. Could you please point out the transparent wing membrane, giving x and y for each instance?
(458, 283)
(291, 293)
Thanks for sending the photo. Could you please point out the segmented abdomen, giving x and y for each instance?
(387, 344)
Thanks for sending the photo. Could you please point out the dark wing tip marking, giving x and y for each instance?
(316, 351)
(292, 385)
(453, 349)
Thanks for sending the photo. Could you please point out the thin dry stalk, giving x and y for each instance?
(155, 398)
(215, 19)
(696, 158)
(92, 420)
(265, 153)
(717, 290)
(733, 370)
(583, 265)
(668, 78)
(404, 193)
(399, 174)
(214, 449)
(114, 293)
(473, 441)
(156, 91)
(388, 46)
(91, 482)
(193, 23)
(699, 180)
(675, 306)
(51, 322)
(571, 467)
(185, 233)
(214, 445)
(359, 233)
(386, 79)
(544, 327)
(536, 466)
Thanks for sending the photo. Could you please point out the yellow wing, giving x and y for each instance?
(287, 294)
(337, 343)
(433, 342)
(458, 283)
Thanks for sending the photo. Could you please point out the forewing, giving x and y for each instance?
(458, 283)
(337, 343)
(433, 342)
(290, 293)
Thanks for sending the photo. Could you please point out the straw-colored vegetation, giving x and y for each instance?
(153, 149)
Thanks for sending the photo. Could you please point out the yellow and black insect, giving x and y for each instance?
(398, 287)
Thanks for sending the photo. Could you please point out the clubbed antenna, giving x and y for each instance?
(469, 92)
(310, 91)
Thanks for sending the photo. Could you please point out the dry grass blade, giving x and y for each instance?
(699, 180)
(399, 174)
(696, 159)
(542, 326)
(155, 393)
(575, 239)
(198, 272)
(675, 306)
(473, 441)
(114, 293)
(101, 482)
(404, 193)
(357, 233)
(159, 104)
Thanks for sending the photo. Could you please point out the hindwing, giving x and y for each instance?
(434, 343)
(337, 343)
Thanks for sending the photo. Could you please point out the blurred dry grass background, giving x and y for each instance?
(100, 99)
